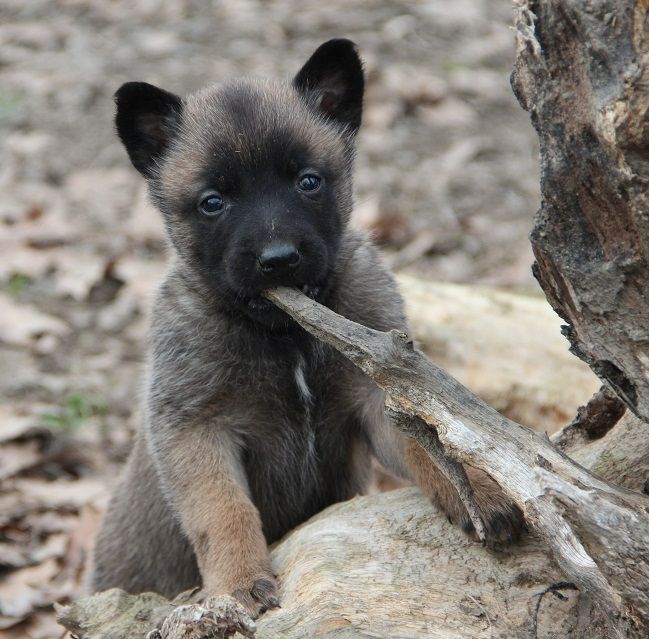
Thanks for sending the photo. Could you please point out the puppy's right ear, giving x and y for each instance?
(147, 119)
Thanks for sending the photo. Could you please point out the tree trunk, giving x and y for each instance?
(582, 73)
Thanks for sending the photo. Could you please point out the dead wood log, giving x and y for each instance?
(582, 73)
(426, 579)
(578, 515)
(386, 566)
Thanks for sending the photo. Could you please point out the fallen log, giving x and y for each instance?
(384, 566)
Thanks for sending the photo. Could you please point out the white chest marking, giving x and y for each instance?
(300, 381)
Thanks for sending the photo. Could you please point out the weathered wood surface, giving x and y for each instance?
(621, 456)
(594, 420)
(387, 566)
(504, 346)
(582, 73)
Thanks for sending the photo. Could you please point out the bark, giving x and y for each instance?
(593, 420)
(582, 72)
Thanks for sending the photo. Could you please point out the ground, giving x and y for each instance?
(447, 180)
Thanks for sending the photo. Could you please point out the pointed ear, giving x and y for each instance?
(147, 119)
(332, 81)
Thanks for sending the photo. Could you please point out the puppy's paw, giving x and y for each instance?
(258, 595)
(503, 520)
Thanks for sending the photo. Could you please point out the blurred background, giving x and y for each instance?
(447, 181)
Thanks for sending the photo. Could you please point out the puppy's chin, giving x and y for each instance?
(264, 312)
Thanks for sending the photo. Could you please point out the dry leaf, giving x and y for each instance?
(16, 457)
(21, 592)
(22, 325)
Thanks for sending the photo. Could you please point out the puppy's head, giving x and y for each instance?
(253, 177)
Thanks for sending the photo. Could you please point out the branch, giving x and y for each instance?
(451, 469)
(570, 509)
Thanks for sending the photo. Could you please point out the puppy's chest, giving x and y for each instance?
(302, 397)
(297, 381)
(297, 461)
(303, 376)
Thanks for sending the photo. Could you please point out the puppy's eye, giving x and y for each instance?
(309, 182)
(212, 204)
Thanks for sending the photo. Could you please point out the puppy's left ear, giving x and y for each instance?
(332, 81)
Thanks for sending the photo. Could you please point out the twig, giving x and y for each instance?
(554, 589)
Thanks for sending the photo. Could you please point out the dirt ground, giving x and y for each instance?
(447, 180)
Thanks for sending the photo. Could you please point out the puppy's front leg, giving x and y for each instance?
(503, 520)
(204, 480)
(407, 459)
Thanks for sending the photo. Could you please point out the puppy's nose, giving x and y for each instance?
(279, 257)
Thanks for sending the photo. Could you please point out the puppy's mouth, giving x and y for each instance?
(312, 291)
(261, 304)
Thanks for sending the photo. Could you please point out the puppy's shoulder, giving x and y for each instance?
(367, 292)
(184, 323)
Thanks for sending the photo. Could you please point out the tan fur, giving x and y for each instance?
(211, 496)
(488, 495)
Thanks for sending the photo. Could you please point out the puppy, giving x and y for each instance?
(252, 426)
